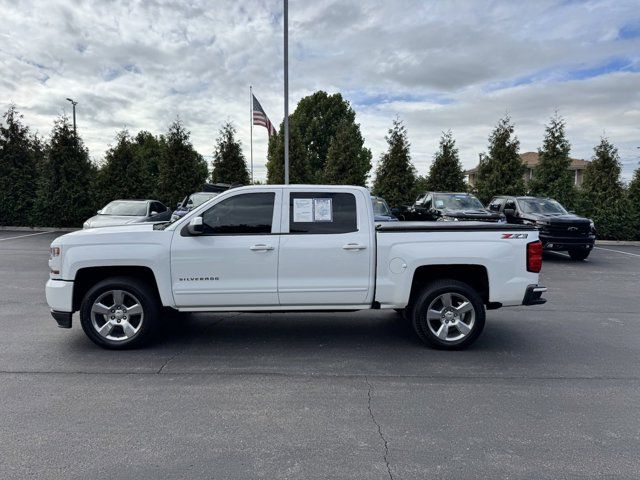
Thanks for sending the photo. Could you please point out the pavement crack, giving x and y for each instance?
(375, 422)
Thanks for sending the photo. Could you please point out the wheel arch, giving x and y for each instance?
(476, 276)
(87, 277)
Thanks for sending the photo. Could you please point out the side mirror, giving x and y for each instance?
(195, 226)
(99, 212)
(510, 212)
(153, 213)
(179, 205)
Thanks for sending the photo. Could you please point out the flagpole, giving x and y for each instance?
(251, 127)
(286, 92)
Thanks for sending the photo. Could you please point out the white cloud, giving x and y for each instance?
(438, 65)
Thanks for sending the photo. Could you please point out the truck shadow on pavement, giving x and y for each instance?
(347, 333)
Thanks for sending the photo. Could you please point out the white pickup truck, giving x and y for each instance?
(292, 248)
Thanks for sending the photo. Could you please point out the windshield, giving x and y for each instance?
(457, 201)
(197, 199)
(125, 209)
(541, 205)
(380, 207)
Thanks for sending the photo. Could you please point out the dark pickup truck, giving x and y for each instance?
(451, 207)
(559, 229)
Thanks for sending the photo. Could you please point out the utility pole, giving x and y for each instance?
(74, 115)
(286, 92)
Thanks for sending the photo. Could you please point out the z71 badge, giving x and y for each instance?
(514, 236)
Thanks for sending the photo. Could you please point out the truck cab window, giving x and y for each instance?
(245, 214)
(343, 216)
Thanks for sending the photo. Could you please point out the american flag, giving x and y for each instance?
(260, 118)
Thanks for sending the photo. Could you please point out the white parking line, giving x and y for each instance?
(22, 236)
(618, 251)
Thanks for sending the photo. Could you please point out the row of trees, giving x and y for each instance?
(602, 196)
(54, 183)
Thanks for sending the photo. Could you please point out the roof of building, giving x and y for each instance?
(531, 160)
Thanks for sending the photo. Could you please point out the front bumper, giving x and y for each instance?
(59, 295)
(62, 318)
(533, 295)
(550, 242)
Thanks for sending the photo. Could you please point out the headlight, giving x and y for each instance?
(502, 220)
(86, 224)
(541, 223)
(592, 225)
(55, 251)
(450, 219)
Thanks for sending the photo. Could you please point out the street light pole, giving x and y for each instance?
(286, 92)
(74, 115)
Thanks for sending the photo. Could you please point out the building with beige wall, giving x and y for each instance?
(530, 161)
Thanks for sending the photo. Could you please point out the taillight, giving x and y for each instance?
(534, 256)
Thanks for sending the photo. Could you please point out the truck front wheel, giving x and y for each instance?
(448, 315)
(119, 313)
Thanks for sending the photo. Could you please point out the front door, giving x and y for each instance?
(235, 260)
(326, 256)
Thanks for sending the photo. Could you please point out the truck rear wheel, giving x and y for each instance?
(448, 315)
(119, 313)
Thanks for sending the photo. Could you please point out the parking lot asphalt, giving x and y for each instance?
(551, 391)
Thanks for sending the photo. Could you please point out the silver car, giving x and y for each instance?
(121, 212)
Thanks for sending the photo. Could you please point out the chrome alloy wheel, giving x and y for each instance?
(117, 315)
(450, 317)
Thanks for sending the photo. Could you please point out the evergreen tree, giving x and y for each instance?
(315, 121)
(229, 164)
(147, 154)
(501, 171)
(299, 171)
(552, 177)
(604, 197)
(18, 172)
(445, 173)
(396, 175)
(182, 170)
(114, 176)
(348, 161)
(66, 180)
(633, 193)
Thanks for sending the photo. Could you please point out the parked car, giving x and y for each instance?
(121, 212)
(191, 201)
(560, 230)
(381, 210)
(292, 248)
(451, 207)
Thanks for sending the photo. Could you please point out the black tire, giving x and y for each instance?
(579, 254)
(424, 327)
(133, 288)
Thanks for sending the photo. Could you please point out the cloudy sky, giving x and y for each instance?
(456, 65)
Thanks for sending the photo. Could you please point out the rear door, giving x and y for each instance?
(326, 248)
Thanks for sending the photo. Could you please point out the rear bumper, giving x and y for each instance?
(533, 295)
(550, 242)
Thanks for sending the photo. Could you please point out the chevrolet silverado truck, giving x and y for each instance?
(292, 248)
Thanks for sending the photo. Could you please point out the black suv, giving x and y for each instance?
(559, 230)
(446, 206)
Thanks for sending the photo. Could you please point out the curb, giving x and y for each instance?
(37, 229)
(630, 243)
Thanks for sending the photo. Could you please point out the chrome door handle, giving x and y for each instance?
(354, 246)
(260, 247)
